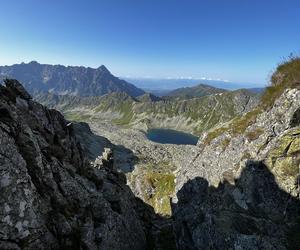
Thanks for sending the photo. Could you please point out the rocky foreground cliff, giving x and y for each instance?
(51, 196)
(242, 189)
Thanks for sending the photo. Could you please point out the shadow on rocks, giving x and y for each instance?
(94, 146)
(253, 213)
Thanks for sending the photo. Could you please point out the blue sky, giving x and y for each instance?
(235, 40)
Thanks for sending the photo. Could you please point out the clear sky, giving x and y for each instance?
(237, 40)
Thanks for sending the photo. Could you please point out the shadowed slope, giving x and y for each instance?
(252, 213)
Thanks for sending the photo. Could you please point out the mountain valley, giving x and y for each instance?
(94, 180)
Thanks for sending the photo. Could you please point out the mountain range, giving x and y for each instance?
(164, 85)
(193, 115)
(81, 92)
(71, 80)
(85, 81)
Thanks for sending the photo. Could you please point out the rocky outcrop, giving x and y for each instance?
(51, 196)
(251, 213)
(229, 150)
(241, 191)
(92, 145)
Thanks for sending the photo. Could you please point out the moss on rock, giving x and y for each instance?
(163, 185)
(286, 167)
(254, 134)
(294, 147)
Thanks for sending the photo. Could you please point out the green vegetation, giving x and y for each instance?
(283, 158)
(236, 127)
(225, 143)
(239, 125)
(294, 147)
(158, 185)
(127, 114)
(214, 134)
(288, 71)
(289, 167)
(287, 75)
(77, 116)
(163, 185)
(197, 114)
(120, 103)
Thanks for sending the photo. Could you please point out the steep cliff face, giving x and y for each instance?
(51, 197)
(242, 189)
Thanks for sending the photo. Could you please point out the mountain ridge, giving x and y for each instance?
(189, 115)
(72, 80)
(195, 91)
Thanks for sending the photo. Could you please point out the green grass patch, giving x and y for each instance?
(163, 185)
(78, 117)
(127, 114)
(239, 125)
(214, 134)
(225, 143)
(287, 75)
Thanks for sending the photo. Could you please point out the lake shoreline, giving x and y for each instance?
(171, 136)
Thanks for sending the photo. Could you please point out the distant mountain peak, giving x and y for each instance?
(195, 91)
(104, 69)
(148, 97)
(33, 62)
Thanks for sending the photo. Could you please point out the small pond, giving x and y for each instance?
(171, 136)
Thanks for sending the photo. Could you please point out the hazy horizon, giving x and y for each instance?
(149, 83)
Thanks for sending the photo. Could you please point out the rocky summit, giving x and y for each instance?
(70, 185)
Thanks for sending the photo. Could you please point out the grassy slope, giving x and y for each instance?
(198, 114)
(203, 113)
